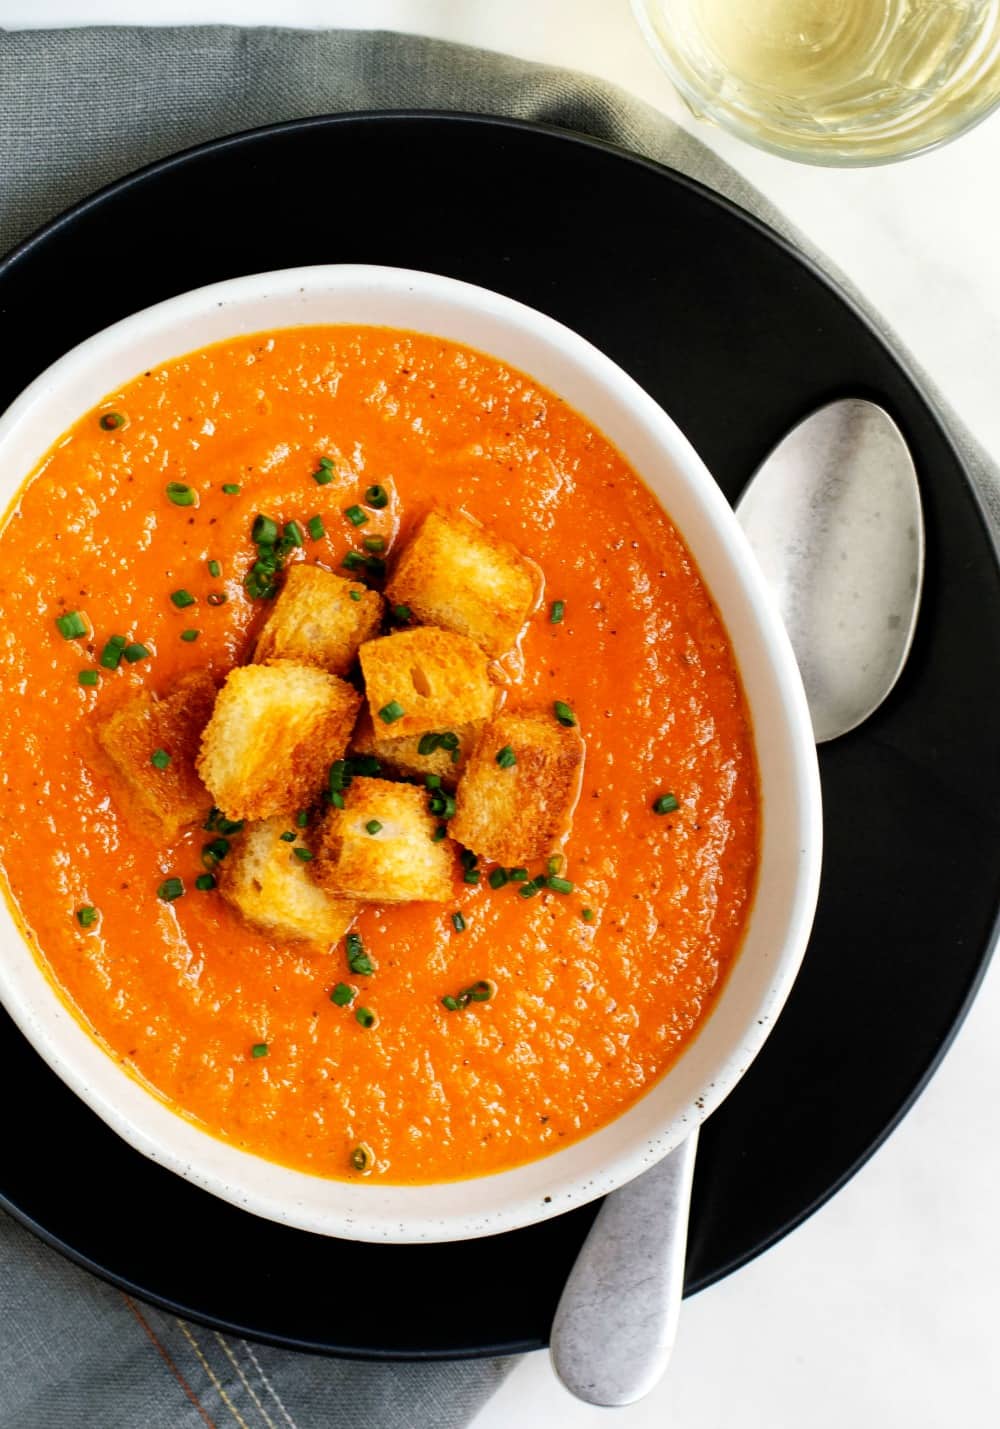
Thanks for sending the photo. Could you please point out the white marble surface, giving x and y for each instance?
(882, 1310)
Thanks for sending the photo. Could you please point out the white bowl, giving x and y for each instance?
(745, 1011)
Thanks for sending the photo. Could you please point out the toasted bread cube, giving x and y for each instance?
(440, 680)
(273, 889)
(400, 862)
(319, 619)
(403, 756)
(143, 726)
(456, 574)
(273, 735)
(515, 814)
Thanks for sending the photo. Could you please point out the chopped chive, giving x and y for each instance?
(159, 759)
(428, 744)
(498, 878)
(182, 598)
(214, 569)
(231, 488)
(481, 991)
(506, 757)
(665, 804)
(71, 626)
(355, 594)
(302, 853)
(336, 798)
(264, 531)
(557, 612)
(205, 882)
(433, 781)
(355, 515)
(442, 804)
(213, 853)
(135, 652)
(217, 823)
(170, 889)
(217, 597)
(323, 474)
(554, 864)
(294, 534)
(374, 543)
(373, 826)
(439, 833)
(529, 889)
(450, 1003)
(471, 875)
(88, 677)
(357, 959)
(377, 496)
(316, 528)
(365, 1016)
(112, 653)
(302, 818)
(558, 885)
(343, 995)
(111, 421)
(458, 922)
(180, 494)
(391, 712)
(587, 914)
(289, 837)
(86, 916)
(190, 635)
(259, 1049)
(361, 1158)
(563, 713)
(326, 463)
(366, 765)
(517, 875)
(401, 614)
(353, 560)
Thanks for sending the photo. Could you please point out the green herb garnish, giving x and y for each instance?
(111, 421)
(458, 922)
(170, 889)
(316, 528)
(205, 882)
(259, 1049)
(506, 758)
(391, 712)
(557, 612)
(86, 916)
(71, 626)
(377, 496)
(665, 804)
(180, 494)
(182, 598)
(112, 653)
(135, 652)
(343, 995)
(190, 635)
(159, 759)
(563, 713)
(88, 678)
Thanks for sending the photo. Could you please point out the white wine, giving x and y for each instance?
(836, 81)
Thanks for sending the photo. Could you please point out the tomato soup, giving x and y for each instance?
(596, 987)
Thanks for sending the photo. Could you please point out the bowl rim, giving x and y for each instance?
(146, 1121)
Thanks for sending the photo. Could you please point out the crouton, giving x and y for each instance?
(455, 574)
(319, 619)
(403, 756)
(380, 847)
(273, 735)
(144, 727)
(516, 813)
(425, 680)
(266, 882)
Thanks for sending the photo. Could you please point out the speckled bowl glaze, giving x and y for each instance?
(779, 924)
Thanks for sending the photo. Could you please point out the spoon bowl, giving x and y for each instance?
(834, 519)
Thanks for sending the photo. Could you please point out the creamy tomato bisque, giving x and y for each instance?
(597, 983)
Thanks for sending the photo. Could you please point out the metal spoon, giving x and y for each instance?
(834, 519)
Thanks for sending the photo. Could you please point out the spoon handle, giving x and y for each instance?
(615, 1326)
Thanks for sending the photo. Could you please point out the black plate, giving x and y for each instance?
(737, 337)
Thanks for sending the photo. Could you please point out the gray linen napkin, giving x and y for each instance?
(79, 108)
